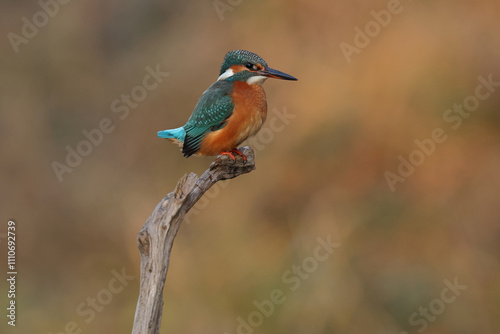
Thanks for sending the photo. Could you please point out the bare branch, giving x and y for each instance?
(157, 236)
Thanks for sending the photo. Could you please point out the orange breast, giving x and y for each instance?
(250, 111)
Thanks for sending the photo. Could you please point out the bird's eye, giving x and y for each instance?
(251, 66)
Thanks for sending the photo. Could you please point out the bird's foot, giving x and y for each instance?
(233, 152)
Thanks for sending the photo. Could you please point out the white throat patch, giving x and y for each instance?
(256, 79)
(229, 73)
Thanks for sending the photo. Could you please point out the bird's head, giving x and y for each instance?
(241, 65)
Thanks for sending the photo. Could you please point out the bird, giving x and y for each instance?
(231, 110)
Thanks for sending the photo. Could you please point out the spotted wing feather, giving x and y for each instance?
(210, 114)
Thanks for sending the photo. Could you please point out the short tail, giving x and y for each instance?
(176, 135)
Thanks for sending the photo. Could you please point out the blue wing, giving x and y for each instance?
(210, 114)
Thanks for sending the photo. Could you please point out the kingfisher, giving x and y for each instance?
(232, 109)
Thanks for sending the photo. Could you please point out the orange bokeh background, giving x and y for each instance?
(321, 166)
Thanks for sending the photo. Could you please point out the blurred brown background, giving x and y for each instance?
(321, 166)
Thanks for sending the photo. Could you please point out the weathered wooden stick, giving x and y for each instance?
(157, 235)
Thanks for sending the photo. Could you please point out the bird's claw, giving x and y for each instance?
(233, 152)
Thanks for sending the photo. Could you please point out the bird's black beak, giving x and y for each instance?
(271, 73)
